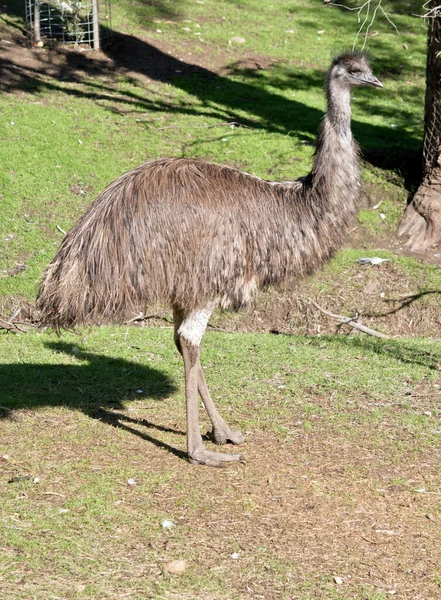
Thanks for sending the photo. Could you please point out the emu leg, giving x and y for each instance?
(221, 433)
(197, 454)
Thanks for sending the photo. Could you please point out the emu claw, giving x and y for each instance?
(221, 437)
(213, 459)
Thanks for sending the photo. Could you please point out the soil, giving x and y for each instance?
(308, 502)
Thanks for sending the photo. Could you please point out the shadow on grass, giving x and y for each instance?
(396, 349)
(245, 96)
(403, 303)
(405, 7)
(95, 384)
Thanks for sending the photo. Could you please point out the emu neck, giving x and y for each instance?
(339, 107)
(335, 176)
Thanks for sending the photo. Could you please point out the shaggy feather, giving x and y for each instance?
(191, 233)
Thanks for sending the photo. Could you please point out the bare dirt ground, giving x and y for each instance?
(311, 515)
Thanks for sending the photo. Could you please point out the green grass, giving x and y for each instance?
(342, 431)
(263, 380)
(65, 136)
(88, 412)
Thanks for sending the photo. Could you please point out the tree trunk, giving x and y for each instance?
(421, 222)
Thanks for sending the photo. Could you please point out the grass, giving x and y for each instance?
(87, 413)
(339, 495)
(70, 129)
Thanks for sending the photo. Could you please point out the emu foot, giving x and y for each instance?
(224, 435)
(213, 459)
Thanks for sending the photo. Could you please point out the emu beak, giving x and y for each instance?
(370, 79)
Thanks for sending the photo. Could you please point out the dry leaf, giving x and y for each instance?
(176, 567)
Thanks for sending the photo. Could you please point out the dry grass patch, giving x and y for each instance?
(339, 497)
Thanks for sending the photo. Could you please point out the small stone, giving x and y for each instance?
(131, 481)
(338, 580)
(235, 555)
(75, 350)
(166, 524)
(238, 40)
(176, 567)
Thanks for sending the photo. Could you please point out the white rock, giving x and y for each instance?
(166, 524)
(374, 260)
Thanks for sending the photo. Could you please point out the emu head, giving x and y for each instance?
(351, 69)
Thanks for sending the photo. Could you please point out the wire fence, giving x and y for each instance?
(68, 22)
(432, 126)
(431, 148)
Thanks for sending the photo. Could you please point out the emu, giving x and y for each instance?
(198, 235)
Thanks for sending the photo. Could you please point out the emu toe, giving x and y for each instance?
(213, 459)
(221, 436)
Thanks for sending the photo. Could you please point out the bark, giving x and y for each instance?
(421, 222)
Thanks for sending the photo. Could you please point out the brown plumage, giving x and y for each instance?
(194, 234)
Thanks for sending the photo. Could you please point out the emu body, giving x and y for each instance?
(197, 235)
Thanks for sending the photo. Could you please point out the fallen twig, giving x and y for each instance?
(217, 328)
(12, 327)
(142, 317)
(60, 229)
(351, 321)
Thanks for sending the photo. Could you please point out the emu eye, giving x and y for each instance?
(354, 72)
